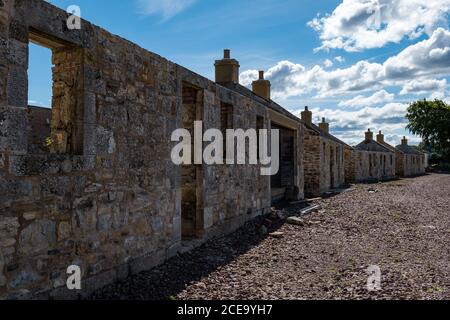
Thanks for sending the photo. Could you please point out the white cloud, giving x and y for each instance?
(428, 58)
(377, 98)
(350, 126)
(424, 86)
(165, 8)
(339, 59)
(361, 24)
(328, 63)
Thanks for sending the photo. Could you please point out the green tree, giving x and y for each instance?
(431, 120)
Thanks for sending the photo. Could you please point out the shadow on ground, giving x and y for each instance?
(168, 280)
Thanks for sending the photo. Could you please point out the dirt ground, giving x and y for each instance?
(401, 227)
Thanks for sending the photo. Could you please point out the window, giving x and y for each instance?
(39, 98)
(259, 126)
(226, 122)
(59, 87)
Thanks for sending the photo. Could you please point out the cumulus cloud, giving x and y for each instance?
(377, 98)
(350, 125)
(339, 59)
(428, 58)
(424, 86)
(165, 8)
(362, 24)
(328, 63)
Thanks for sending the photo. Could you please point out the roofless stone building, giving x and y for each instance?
(104, 194)
(91, 182)
(324, 157)
(369, 161)
(410, 161)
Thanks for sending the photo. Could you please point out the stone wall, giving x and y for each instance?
(371, 166)
(324, 163)
(312, 163)
(349, 161)
(106, 195)
(409, 165)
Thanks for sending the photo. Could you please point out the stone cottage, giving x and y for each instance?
(324, 157)
(369, 161)
(102, 193)
(410, 161)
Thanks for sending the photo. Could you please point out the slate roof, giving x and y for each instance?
(387, 145)
(408, 149)
(372, 145)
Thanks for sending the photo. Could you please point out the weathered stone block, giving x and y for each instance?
(59, 186)
(2, 160)
(38, 236)
(157, 224)
(14, 190)
(17, 87)
(2, 268)
(26, 277)
(8, 231)
(64, 230)
(41, 165)
(13, 129)
(85, 217)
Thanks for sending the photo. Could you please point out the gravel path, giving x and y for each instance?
(403, 227)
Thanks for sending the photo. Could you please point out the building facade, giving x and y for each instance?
(324, 158)
(369, 161)
(410, 162)
(103, 192)
(91, 182)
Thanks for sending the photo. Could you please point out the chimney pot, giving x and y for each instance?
(227, 69)
(380, 137)
(369, 135)
(261, 75)
(324, 126)
(404, 141)
(307, 116)
(261, 86)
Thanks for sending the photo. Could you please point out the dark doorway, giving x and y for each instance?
(282, 184)
(332, 164)
(191, 175)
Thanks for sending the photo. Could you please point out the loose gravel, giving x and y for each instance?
(402, 227)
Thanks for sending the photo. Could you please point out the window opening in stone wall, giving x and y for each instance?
(226, 122)
(191, 175)
(39, 98)
(56, 98)
(259, 126)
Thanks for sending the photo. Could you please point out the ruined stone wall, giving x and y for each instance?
(324, 164)
(106, 196)
(411, 164)
(350, 162)
(374, 166)
(312, 163)
(399, 164)
(332, 165)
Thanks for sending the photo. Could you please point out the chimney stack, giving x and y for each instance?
(324, 126)
(261, 86)
(380, 138)
(227, 69)
(307, 116)
(404, 141)
(369, 135)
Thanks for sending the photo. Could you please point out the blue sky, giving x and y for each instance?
(356, 62)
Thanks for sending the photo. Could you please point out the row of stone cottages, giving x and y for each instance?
(91, 182)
